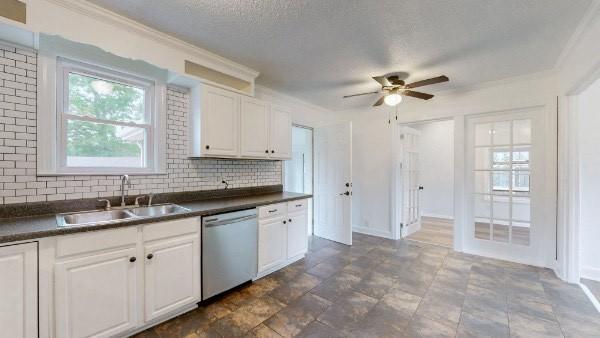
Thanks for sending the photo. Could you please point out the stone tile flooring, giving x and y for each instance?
(385, 288)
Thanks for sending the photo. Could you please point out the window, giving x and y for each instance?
(520, 166)
(105, 120)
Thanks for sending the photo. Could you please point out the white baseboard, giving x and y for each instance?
(590, 296)
(438, 216)
(373, 232)
(588, 272)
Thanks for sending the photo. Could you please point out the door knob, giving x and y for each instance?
(132, 259)
(347, 193)
(150, 256)
(421, 188)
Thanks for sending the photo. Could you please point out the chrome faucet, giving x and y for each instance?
(124, 180)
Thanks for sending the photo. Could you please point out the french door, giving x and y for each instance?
(505, 187)
(408, 181)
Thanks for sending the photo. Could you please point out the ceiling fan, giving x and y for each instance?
(394, 88)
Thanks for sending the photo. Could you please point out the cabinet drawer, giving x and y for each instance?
(297, 205)
(178, 227)
(95, 241)
(272, 210)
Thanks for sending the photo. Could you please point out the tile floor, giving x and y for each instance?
(385, 288)
(436, 231)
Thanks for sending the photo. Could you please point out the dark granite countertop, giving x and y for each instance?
(25, 228)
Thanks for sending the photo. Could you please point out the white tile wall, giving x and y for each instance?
(18, 180)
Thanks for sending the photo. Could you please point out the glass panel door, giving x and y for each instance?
(299, 170)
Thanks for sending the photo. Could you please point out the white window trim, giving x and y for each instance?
(50, 136)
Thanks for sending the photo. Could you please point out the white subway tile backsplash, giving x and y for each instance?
(18, 180)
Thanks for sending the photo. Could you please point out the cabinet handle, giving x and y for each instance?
(150, 256)
(272, 151)
(284, 222)
(267, 151)
(298, 205)
(272, 211)
(132, 259)
(290, 220)
(207, 147)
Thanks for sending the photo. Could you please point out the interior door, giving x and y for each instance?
(254, 124)
(506, 186)
(408, 180)
(333, 182)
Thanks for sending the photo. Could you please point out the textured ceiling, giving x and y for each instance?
(321, 50)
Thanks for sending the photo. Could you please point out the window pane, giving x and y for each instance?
(104, 145)
(520, 233)
(102, 99)
(500, 231)
(483, 134)
(521, 209)
(482, 182)
(483, 158)
(501, 133)
(500, 182)
(522, 131)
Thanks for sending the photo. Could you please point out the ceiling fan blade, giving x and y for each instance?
(418, 95)
(382, 81)
(379, 102)
(431, 81)
(346, 96)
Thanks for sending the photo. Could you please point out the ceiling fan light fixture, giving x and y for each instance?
(393, 98)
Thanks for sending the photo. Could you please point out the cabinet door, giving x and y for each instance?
(18, 291)
(220, 122)
(271, 243)
(254, 128)
(280, 133)
(297, 237)
(172, 275)
(96, 294)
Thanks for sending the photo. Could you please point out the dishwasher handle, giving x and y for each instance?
(216, 222)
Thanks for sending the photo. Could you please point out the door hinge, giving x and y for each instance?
(401, 225)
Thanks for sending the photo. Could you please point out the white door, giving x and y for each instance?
(254, 128)
(297, 240)
(96, 294)
(18, 291)
(409, 202)
(505, 184)
(280, 133)
(172, 275)
(220, 122)
(333, 182)
(272, 240)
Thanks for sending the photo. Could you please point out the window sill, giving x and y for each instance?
(102, 173)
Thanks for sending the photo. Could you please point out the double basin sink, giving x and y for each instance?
(96, 217)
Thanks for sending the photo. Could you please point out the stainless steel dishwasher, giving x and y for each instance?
(229, 251)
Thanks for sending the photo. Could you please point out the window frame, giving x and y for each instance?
(64, 67)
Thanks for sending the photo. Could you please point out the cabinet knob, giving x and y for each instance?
(207, 147)
(272, 151)
(290, 220)
(150, 256)
(132, 259)
(267, 151)
(284, 222)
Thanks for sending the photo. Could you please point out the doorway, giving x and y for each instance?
(427, 180)
(298, 172)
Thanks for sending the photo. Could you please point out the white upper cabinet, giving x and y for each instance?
(18, 291)
(254, 128)
(220, 115)
(231, 125)
(280, 133)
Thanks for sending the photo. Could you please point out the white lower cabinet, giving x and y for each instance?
(297, 235)
(96, 295)
(172, 277)
(19, 291)
(282, 235)
(271, 243)
(104, 279)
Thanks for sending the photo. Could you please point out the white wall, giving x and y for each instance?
(589, 175)
(436, 146)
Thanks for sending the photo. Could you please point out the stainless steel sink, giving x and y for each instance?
(93, 217)
(115, 216)
(158, 210)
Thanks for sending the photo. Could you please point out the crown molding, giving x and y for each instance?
(288, 99)
(591, 14)
(209, 59)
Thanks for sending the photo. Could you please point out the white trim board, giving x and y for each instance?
(590, 296)
(373, 232)
(448, 217)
